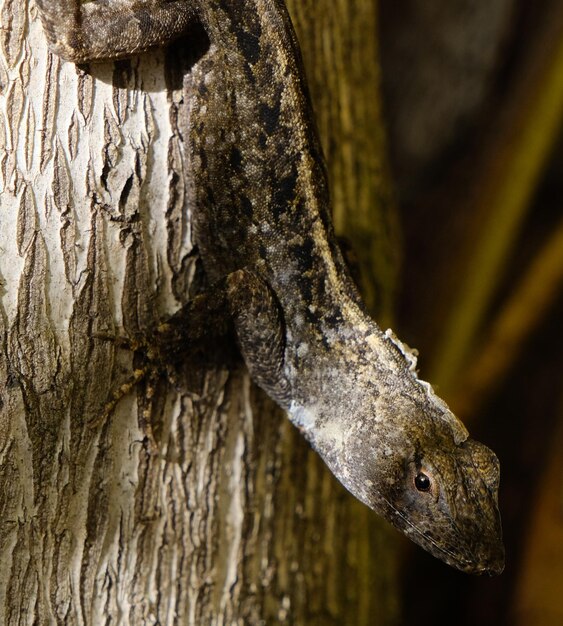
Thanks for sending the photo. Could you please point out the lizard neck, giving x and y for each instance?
(353, 386)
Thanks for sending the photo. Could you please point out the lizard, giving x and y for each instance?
(261, 212)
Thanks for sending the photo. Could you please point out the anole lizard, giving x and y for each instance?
(261, 214)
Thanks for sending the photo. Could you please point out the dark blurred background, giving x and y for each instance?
(473, 95)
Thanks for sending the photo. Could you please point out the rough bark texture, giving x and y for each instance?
(230, 518)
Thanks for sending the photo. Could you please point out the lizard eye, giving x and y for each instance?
(422, 482)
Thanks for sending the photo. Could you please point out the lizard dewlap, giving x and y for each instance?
(260, 204)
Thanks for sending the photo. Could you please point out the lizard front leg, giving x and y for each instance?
(259, 328)
(244, 301)
(241, 301)
(88, 31)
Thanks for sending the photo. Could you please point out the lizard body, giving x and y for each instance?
(261, 219)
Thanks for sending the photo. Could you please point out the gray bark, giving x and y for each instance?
(228, 517)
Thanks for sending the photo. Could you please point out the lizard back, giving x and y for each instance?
(259, 191)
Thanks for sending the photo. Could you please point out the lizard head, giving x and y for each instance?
(444, 498)
(433, 483)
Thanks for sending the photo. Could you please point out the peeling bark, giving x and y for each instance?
(231, 518)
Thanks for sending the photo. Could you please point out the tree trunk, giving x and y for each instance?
(203, 505)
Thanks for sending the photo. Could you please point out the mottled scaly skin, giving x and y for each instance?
(261, 212)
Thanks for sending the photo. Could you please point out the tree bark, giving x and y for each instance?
(222, 514)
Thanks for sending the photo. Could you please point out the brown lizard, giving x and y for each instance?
(262, 225)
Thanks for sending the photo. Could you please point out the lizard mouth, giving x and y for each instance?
(490, 561)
